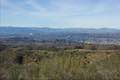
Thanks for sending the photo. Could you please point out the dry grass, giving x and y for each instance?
(65, 65)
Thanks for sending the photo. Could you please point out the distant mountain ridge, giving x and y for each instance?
(89, 35)
(73, 30)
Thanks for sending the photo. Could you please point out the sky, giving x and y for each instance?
(60, 13)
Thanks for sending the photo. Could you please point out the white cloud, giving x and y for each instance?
(66, 12)
(61, 7)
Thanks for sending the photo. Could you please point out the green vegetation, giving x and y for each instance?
(18, 63)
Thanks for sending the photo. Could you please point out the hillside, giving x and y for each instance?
(59, 54)
(32, 62)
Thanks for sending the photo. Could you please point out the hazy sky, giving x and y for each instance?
(60, 13)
